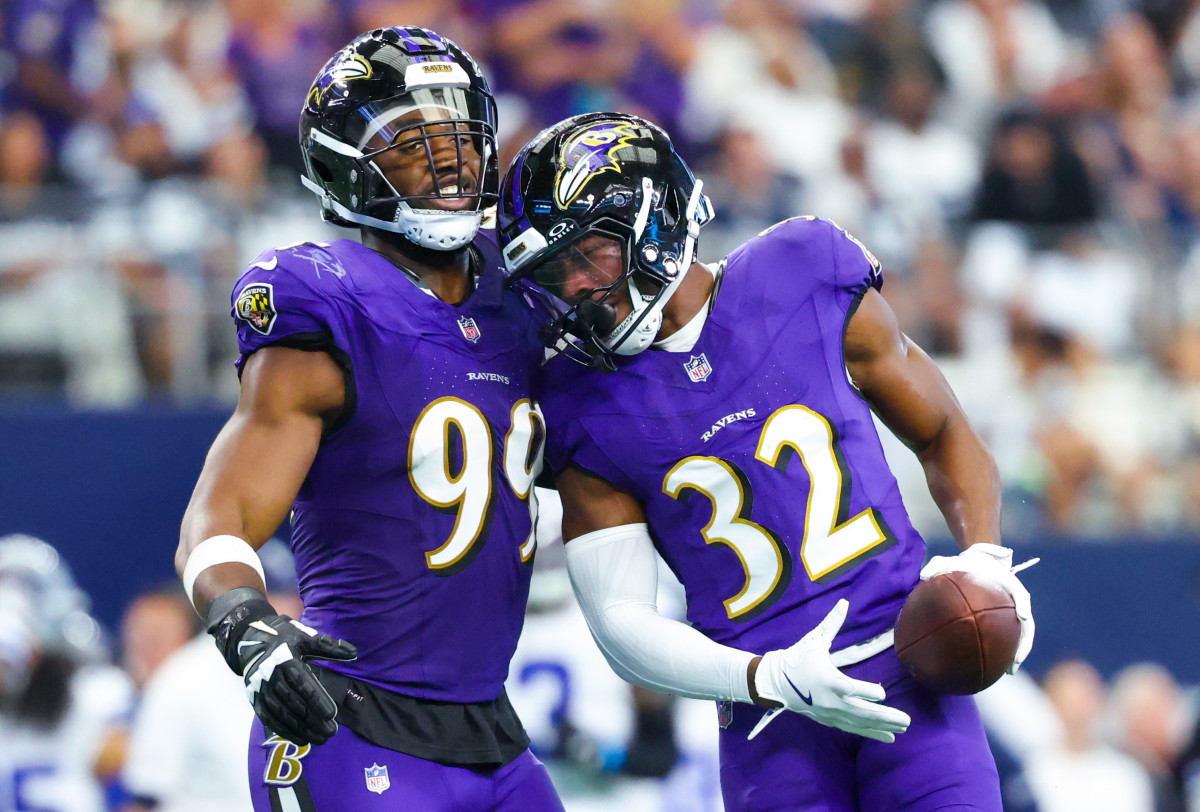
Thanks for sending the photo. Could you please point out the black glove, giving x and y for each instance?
(271, 653)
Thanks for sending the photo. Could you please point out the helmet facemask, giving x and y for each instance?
(419, 124)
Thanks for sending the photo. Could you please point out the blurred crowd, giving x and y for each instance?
(1027, 170)
(151, 718)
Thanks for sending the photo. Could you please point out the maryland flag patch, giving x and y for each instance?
(256, 306)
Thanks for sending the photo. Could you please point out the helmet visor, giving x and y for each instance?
(376, 125)
(439, 137)
(593, 264)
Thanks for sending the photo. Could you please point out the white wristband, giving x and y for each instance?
(219, 550)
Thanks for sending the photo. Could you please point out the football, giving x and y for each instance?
(957, 633)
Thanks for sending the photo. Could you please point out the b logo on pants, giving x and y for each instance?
(283, 762)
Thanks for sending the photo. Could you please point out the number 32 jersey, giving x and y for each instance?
(758, 464)
(412, 531)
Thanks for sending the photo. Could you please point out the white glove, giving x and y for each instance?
(803, 679)
(993, 563)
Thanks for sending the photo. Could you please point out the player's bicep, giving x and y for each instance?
(262, 455)
(591, 503)
(902, 384)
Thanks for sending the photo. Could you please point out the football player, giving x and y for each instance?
(385, 403)
(734, 434)
(61, 706)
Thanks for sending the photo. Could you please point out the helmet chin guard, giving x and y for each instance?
(428, 228)
(639, 329)
(437, 230)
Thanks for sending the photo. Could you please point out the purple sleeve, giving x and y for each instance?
(275, 302)
(855, 267)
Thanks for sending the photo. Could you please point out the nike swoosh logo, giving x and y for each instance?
(250, 665)
(248, 643)
(266, 266)
(807, 699)
(263, 627)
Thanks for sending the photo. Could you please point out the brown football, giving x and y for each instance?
(957, 633)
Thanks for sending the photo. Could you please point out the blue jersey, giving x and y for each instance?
(757, 462)
(412, 531)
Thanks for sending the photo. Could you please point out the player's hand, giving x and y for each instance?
(803, 679)
(994, 563)
(286, 695)
(271, 653)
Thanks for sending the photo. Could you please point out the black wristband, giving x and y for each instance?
(229, 615)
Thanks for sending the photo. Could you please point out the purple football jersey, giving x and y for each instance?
(757, 462)
(412, 531)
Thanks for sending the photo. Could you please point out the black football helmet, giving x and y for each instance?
(601, 174)
(399, 88)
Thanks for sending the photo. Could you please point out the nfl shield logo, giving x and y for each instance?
(377, 778)
(724, 713)
(698, 368)
(469, 329)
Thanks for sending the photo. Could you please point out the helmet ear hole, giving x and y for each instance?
(323, 171)
(671, 209)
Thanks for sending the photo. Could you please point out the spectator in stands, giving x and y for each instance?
(60, 82)
(995, 53)
(923, 173)
(156, 624)
(1020, 722)
(1081, 774)
(1033, 176)
(1187, 771)
(867, 51)
(915, 161)
(1150, 721)
(185, 101)
(1127, 142)
(758, 69)
(754, 191)
(572, 56)
(83, 345)
(275, 48)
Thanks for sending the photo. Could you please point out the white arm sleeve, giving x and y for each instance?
(615, 576)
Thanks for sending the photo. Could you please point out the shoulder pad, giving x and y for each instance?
(800, 228)
(294, 285)
(840, 257)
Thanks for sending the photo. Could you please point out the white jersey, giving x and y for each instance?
(187, 748)
(53, 769)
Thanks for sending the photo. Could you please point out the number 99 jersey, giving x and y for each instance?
(758, 464)
(412, 531)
